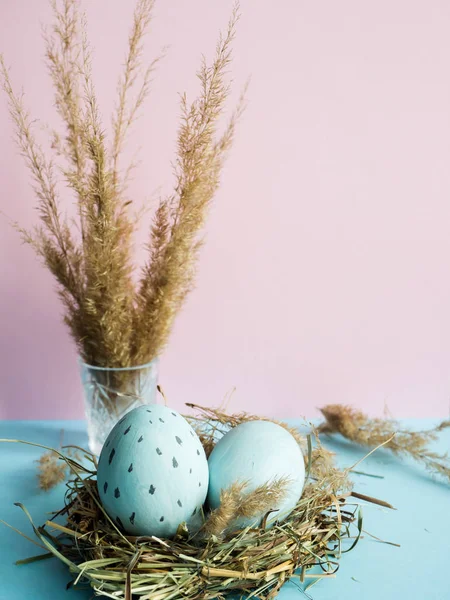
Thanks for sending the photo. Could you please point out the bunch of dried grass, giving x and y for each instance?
(361, 429)
(115, 323)
(218, 559)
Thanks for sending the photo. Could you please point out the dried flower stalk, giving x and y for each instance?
(360, 429)
(168, 276)
(236, 503)
(114, 322)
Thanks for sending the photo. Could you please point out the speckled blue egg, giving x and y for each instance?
(257, 452)
(152, 472)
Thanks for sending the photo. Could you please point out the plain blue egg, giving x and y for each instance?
(152, 472)
(257, 452)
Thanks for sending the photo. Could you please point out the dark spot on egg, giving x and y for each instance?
(199, 484)
(105, 487)
(117, 493)
(174, 414)
(152, 490)
(132, 518)
(119, 522)
(149, 410)
(111, 455)
(130, 468)
(140, 439)
(198, 452)
(179, 440)
(151, 422)
(162, 519)
(179, 503)
(162, 420)
(107, 443)
(190, 471)
(158, 451)
(174, 462)
(127, 430)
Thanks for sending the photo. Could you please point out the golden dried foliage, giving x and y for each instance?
(360, 429)
(174, 243)
(236, 503)
(324, 469)
(114, 322)
(51, 470)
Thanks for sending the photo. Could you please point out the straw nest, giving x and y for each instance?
(216, 560)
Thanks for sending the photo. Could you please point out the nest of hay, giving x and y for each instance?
(212, 562)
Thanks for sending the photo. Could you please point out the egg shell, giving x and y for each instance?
(257, 452)
(152, 472)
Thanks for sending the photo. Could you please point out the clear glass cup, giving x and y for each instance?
(111, 393)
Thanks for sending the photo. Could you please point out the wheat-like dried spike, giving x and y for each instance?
(221, 518)
(263, 498)
(166, 282)
(359, 428)
(63, 57)
(55, 245)
(235, 503)
(125, 115)
(109, 288)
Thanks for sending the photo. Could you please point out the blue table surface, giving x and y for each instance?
(372, 571)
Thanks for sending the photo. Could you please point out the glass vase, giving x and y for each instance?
(111, 393)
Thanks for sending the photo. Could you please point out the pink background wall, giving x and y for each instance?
(326, 273)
